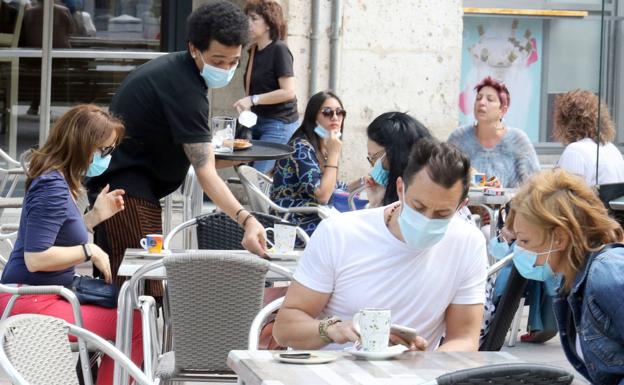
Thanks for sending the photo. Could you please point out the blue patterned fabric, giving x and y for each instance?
(295, 180)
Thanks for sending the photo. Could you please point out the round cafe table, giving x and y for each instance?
(260, 150)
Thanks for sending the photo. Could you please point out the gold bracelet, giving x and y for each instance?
(332, 166)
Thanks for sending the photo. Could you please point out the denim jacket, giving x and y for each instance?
(594, 312)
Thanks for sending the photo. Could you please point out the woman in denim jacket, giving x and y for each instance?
(562, 229)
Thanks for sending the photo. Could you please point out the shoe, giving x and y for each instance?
(32, 111)
(538, 337)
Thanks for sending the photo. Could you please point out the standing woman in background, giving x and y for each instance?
(269, 77)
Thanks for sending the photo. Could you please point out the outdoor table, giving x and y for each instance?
(259, 368)
(617, 204)
(261, 150)
(134, 259)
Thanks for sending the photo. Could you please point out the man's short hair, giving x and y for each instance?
(218, 20)
(445, 163)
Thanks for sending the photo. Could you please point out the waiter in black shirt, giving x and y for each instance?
(164, 106)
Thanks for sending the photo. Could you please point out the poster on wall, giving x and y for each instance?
(509, 50)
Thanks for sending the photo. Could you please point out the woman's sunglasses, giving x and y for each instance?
(373, 158)
(328, 112)
(106, 151)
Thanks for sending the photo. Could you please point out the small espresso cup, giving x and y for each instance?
(284, 236)
(152, 243)
(373, 325)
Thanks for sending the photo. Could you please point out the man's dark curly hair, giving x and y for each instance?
(218, 20)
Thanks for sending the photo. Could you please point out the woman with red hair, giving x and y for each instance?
(494, 148)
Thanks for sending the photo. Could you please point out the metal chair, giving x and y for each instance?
(214, 296)
(508, 374)
(508, 306)
(10, 174)
(35, 350)
(217, 231)
(608, 193)
(257, 187)
(258, 322)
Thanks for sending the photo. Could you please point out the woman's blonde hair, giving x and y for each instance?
(556, 199)
(576, 118)
(72, 142)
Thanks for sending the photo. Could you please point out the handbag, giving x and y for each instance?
(94, 291)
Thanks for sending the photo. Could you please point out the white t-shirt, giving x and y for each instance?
(354, 257)
(580, 158)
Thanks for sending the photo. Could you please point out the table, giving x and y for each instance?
(259, 368)
(617, 204)
(134, 259)
(261, 150)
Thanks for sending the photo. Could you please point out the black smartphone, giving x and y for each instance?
(301, 356)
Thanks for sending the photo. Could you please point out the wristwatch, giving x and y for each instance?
(87, 251)
(324, 324)
(255, 99)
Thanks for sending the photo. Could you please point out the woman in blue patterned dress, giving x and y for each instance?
(310, 175)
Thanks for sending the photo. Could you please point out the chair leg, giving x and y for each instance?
(513, 335)
(93, 363)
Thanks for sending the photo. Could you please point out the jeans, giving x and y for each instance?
(271, 130)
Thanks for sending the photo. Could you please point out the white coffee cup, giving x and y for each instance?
(247, 118)
(373, 325)
(284, 236)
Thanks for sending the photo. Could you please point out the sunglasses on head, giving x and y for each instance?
(373, 158)
(328, 112)
(106, 151)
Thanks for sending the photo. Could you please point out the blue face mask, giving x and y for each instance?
(498, 249)
(216, 77)
(323, 133)
(418, 231)
(98, 165)
(525, 263)
(378, 173)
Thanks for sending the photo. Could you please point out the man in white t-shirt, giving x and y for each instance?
(415, 257)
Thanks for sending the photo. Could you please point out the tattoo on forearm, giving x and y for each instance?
(197, 153)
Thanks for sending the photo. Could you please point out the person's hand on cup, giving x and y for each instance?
(342, 332)
(100, 259)
(243, 104)
(416, 344)
(108, 203)
(254, 239)
(493, 182)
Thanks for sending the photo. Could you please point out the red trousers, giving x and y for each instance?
(99, 320)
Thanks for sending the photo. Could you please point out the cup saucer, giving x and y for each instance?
(389, 352)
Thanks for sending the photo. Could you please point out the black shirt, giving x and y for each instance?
(163, 103)
(271, 63)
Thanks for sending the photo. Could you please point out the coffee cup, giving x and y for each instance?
(152, 243)
(373, 325)
(284, 236)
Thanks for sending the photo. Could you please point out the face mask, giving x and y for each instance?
(323, 133)
(525, 263)
(379, 174)
(98, 165)
(419, 231)
(216, 77)
(498, 249)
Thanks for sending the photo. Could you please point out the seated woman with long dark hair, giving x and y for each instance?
(391, 136)
(53, 234)
(310, 175)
